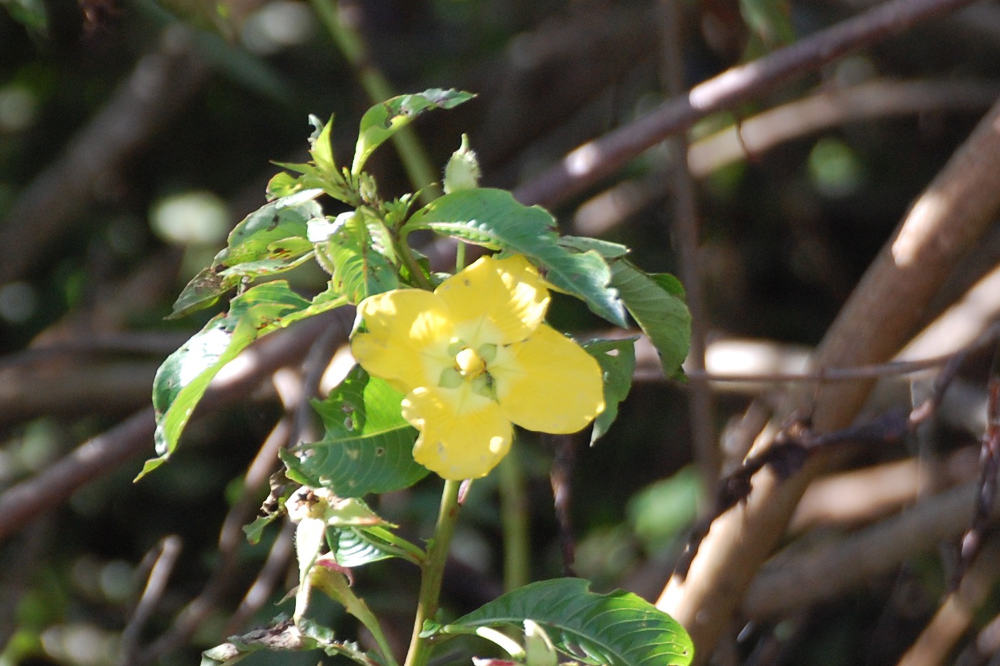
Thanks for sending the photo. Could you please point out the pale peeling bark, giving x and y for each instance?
(878, 319)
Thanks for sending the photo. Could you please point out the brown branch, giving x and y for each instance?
(686, 227)
(100, 455)
(157, 88)
(602, 157)
(794, 580)
(881, 314)
(830, 107)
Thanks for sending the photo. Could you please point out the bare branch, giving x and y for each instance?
(886, 306)
(686, 227)
(157, 88)
(602, 157)
(791, 581)
(98, 456)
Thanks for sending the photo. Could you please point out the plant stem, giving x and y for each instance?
(514, 521)
(406, 255)
(418, 166)
(433, 572)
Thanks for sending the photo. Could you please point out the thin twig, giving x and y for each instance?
(685, 216)
(102, 454)
(167, 552)
(274, 569)
(602, 157)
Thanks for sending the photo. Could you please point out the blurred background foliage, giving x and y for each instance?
(134, 134)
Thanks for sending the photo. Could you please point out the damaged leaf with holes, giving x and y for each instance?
(367, 446)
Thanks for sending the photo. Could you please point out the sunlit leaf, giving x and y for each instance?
(367, 447)
(184, 376)
(275, 221)
(356, 260)
(320, 145)
(383, 120)
(617, 361)
(268, 241)
(615, 629)
(495, 219)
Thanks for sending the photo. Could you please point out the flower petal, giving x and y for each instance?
(407, 338)
(462, 435)
(495, 300)
(548, 383)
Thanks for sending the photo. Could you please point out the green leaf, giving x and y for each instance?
(357, 546)
(285, 636)
(383, 120)
(367, 447)
(201, 292)
(255, 237)
(29, 13)
(270, 240)
(495, 219)
(356, 259)
(184, 376)
(615, 629)
(654, 302)
(617, 361)
(606, 249)
(320, 145)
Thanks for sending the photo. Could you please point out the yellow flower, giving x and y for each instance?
(473, 358)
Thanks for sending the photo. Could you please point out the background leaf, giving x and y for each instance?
(616, 629)
(368, 445)
(184, 376)
(383, 120)
(495, 219)
(655, 303)
(617, 361)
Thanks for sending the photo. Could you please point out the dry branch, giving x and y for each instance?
(797, 580)
(881, 314)
(602, 157)
(157, 88)
(98, 456)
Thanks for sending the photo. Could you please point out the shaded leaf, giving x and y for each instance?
(368, 445)
(654, 302)
(285, 636)
(617, 361)
(606, 249)
(615, 629)
(357, 546)
(383, 120)
(495, 219)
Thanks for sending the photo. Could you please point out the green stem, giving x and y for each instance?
(433, 573)
(406, 255)
(419, 169)
(460, 256)
(514, 522)
(359, 609)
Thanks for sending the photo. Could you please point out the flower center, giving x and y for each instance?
(469, 363)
